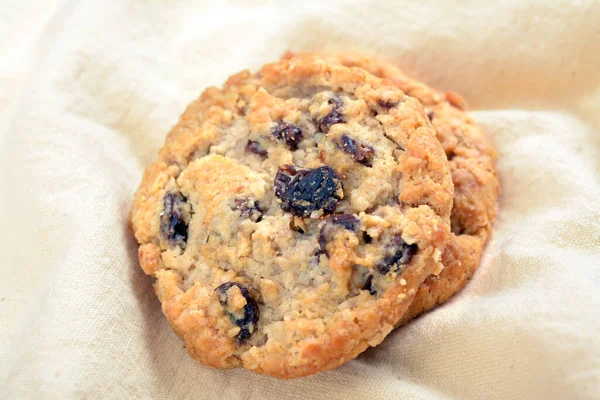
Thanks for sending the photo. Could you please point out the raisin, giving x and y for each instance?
(174, 219)
(290, 134)
(283, 178)
(248, 208)
(369, 285)
(303, 191)
(334, 116)
(348, 221)
(362, 279)
(430, 115)
(400, 254)
(387, 104)
(247, 322)
(345, 221)
(256, 148)
(360, 152)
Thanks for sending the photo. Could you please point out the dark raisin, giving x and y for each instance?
(348, 221)
(334, 116)
(303, 191)
(283, 178)
(175, 218)
(248, 208)
(430, 115)
(362, 279)
(290, 134)
(387, 104)
(255, 147)
(360, 152)
(345, 221)
(400, 253)
(323, 241)
(369, 285)
(248, 320)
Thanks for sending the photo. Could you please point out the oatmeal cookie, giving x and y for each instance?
(292, 215)
(473, 164)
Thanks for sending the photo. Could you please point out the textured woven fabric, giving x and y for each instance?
(89, 90)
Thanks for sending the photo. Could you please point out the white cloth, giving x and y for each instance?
(89, 90)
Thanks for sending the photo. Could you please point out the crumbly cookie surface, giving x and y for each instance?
(292, 215)
(472, 161)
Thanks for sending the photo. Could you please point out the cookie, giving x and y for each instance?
(473, 164)
(291, 217)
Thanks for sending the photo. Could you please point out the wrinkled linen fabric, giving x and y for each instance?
(89, 91)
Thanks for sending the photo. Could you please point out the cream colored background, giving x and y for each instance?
(88, 91)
